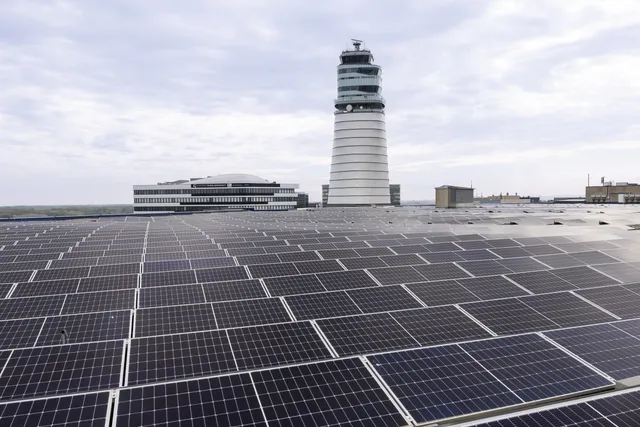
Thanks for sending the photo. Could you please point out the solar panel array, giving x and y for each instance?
(338, 317)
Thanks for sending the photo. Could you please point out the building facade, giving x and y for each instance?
(507, 199)
(619, 192)
(451, 196)
(359, 164)
(394, 192)
(230, 191)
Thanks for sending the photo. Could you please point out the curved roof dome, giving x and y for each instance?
(230, 178)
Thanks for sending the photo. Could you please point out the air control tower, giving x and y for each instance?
(359, 165)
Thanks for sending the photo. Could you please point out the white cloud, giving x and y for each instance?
(529, 95)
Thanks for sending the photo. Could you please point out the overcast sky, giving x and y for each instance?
(516, 96)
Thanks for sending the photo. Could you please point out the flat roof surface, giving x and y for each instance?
(337, 316)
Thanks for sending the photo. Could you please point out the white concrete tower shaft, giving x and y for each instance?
(359, 164)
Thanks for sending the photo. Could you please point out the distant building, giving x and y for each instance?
(618, 192)
(394, 190)
(239, 191)
(451, 196)
(303, 200)
(507, 199)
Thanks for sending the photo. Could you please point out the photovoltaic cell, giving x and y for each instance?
(341, 392)
(443, 292)
(235, 290)
(317, 306)
(509, 316)
(255, 312)
(439, 325)
(441, 382)
(279, 344)
(342, 280)
(19, 333)
(616, 299)
(383, 298)
(22, 308)
(533, 368)
(189, 355)
(99, 301)
(168, 278)
(293, 285)
(81, 328)
(45, 371)
(609, 349)
(579, 415)
(222, 274)
(85, 410)
(366, 334)
(566, 309)
(174, 320)
(222, 401)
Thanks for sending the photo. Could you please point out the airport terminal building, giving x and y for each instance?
(229, 191)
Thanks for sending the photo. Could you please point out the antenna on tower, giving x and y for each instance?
(356, 43)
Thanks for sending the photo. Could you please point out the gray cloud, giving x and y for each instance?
(526, 96)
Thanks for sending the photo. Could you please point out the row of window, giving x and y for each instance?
(208, 208)
(215, 191)
(365, 71)
(367, 89)
(214, 199)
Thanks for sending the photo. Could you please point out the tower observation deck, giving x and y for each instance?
(359, 164)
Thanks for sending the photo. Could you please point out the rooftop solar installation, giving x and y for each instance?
(332, 317)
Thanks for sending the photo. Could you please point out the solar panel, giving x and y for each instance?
(188, 355)
(85, 410)
(442, 247)
(441, 382)
(158, 266)
(46, 371)
(439, 325)
(58, 273)
(400, 260)
(609, 349)
(273, 270)
(114, 269)
(19, 333)
(245, 251)
(50, 287)
(338, 253)
(566, 309)
(174, 320)
(477, 255)
(231, 314)
(317, 306)
(342, 280)
(443, 292)
(108, 283)
(396, 275)
(559, 261)
(212, 262)
(383, 298)
(15, 276)
(360, 263)
(533, 368)
(439, 257)
(258, 259)
(509, 316)
(594, 257)
(579, 415)
(222, 274)
(99, 301)
(364, 252)
(616, 299)
(540, 282)
(440, 271)
(341, 392)
(22, 308)
(625, 273)
(81, 328)
(584, 277)
(318, 266)
(366, 334)
(484, 268)
(623, 409)
(171, 295)
(292, 285)
(298, 256)
(512, 252)
(632, 327)
(543, 250)
(168, 278)
(521, 265)
(235, 290)
(23, 266)
(492, 287)
(222, 401)
(409, 249)
(279, 344)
